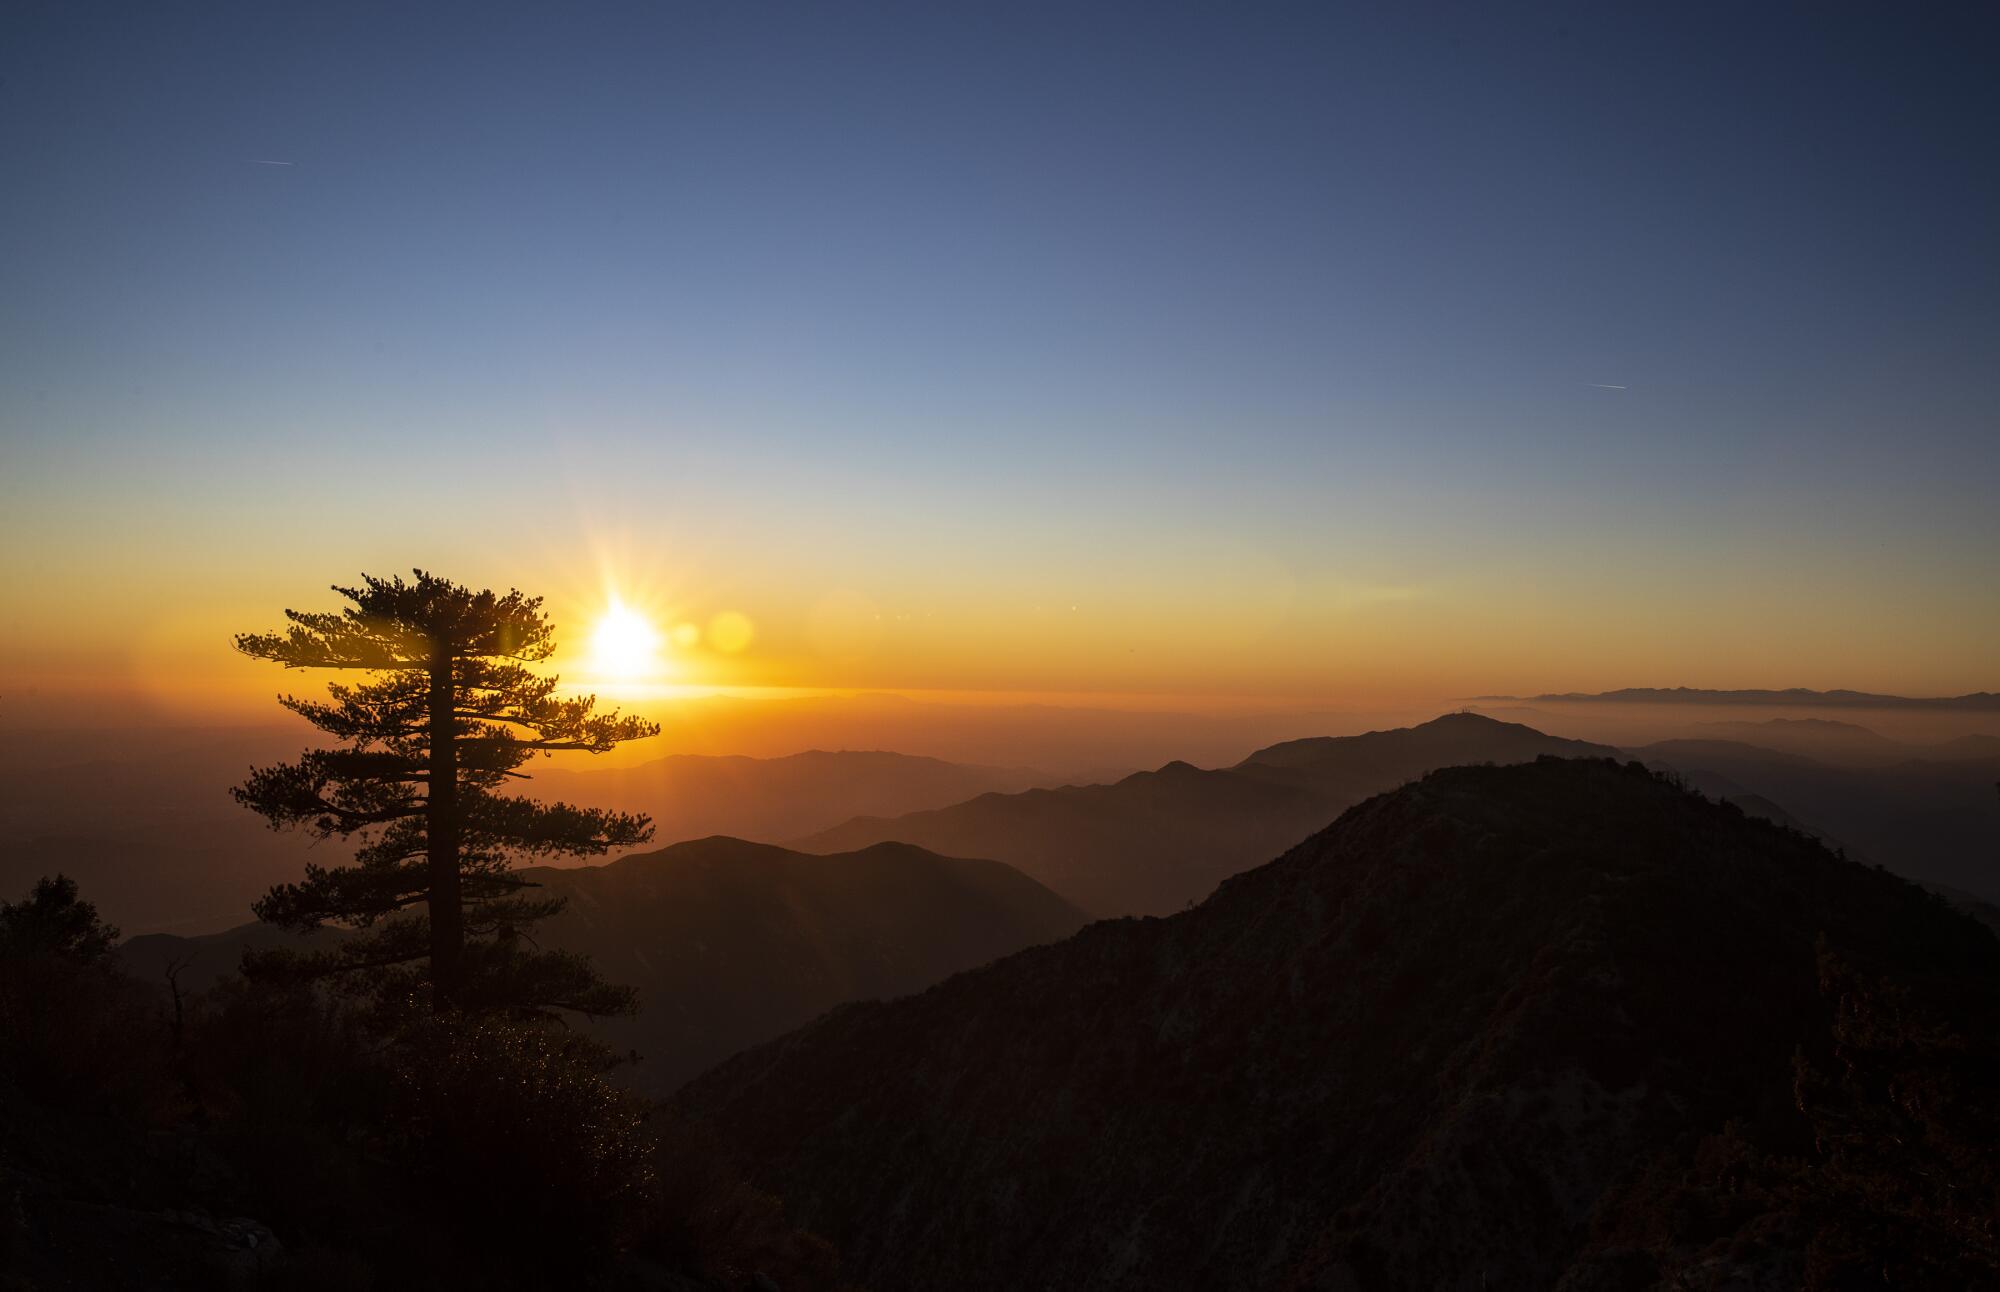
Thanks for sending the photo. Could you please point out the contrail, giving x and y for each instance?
(1607, 386)
(259, 161)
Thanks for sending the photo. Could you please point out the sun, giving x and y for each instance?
(624, 644)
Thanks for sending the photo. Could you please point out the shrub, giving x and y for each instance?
(499, 1120)
(75, 1032)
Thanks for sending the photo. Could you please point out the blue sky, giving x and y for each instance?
(865, 288)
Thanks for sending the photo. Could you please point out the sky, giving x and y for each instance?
(1280, 353)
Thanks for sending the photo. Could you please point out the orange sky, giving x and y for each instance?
(141, 633)
(1339, 358)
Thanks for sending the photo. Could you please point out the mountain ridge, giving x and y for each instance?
(1157, 840)
(1929, 820)
(1557, 1024)
(181, 857)
(1797, 696)
(731, 941)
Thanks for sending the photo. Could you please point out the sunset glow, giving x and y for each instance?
(911, 645)
(1247, 415)
(625, 646)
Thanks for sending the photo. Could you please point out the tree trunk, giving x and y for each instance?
(441, 829)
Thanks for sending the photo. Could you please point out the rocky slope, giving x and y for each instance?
(1561, 1024)
(1155, 841)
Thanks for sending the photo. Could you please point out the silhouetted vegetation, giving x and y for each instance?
(276, 1139)
(407, 1108)
(730, 943)
(72, 1028)
(449, 714)
(54, 921)
(1559, 1023)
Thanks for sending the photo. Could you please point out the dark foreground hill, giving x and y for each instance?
(1553, 1025)
(1155, 841)
(730, 943)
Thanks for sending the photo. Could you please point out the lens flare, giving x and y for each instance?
(731, 632)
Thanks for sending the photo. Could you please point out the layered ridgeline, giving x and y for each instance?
(1555, 1025)
(1796, 697)
(1934, 818)
(693, 796)
(177, 855)
(1846, 743)
(730, 943)
(1155, 841)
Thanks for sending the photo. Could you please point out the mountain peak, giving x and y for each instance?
(1154, 841)
(1498, 1019)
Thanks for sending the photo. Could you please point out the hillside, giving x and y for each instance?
(1935, 821)
(174, 854)
(731, 943)
(1553, 1025)
(1155, 841)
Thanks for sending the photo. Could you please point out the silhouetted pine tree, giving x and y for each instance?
(53, 920)
(450, 714)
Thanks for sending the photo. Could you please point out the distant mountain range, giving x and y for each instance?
(1846, 743)
(1552, 1025)
(152, 836)
(692, 796)
(1933, 819)
(730, 943)
(1794, 697)
(151, 833)
(1156, 841)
